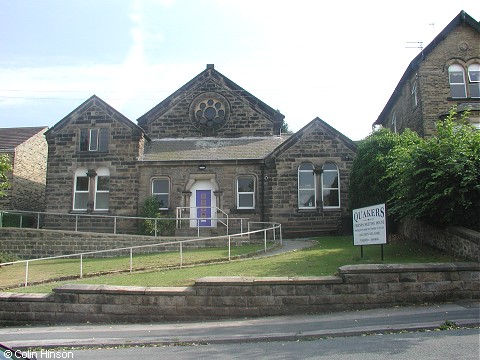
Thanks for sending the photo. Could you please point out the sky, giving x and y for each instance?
(336, 60)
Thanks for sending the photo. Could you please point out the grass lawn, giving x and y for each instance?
(324, 258)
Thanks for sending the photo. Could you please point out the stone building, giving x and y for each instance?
(210, 148)
(27, 149)
(446, 73)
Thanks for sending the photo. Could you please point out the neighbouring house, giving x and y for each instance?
(210, 148)
(27, 149)
(446, 73)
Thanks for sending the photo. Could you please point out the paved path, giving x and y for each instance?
(278, 328)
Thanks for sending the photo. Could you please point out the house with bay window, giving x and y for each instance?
(208, 150)
(444, 74)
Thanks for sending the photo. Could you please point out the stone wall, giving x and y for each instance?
(32, 243)
(356, 287)
(28, 175)
(457, 241)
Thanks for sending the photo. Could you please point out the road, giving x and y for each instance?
(449, 344)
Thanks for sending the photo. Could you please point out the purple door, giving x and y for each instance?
(204, 211)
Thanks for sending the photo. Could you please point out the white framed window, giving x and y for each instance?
(96, 139)
(414, 93)
(102, 189)
(456, 76)
(161, 191)
(81, 190)
(307, 197)
(330, 186)
(394, 122)
(474, 80)
(99, 180)
(246, 192)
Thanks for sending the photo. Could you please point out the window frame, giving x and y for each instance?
(245, 193)
(324, 188)
(76, 192)
(312, 189)
(99, 145)
(101, 172)
(414, 92)
(457, 68)
(472, 83)
(154, 194)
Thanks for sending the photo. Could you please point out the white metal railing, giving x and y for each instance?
(37, 216)
(272, 227)
(184, 213)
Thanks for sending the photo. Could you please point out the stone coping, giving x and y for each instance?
(122, 290)
(418, 267)
(241, 280)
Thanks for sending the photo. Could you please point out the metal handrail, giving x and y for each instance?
(116, 217)
(273, 228)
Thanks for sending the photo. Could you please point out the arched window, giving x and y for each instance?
(161, 191)
(81, 189)
(330, 186)
(456, 76)
(246, 192)
(102, 189)
(474, 80)
(307, 198)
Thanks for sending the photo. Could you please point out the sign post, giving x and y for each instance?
(370, 226)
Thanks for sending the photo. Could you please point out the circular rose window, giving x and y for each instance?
(209, 111)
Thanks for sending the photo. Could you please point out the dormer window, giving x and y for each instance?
(94, 139)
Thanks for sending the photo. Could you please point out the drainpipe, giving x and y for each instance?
(262, 209)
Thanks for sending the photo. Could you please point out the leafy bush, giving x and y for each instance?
(5, 167)
(150, 209)
(368, 185)
(13, 220)
(6, 257)
(437, 180)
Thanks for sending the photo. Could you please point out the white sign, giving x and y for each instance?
(370, 225)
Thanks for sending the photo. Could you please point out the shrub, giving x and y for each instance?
(437, 180)
(150, 209)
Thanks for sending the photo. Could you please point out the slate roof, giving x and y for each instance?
(174, 149)
(10, 138)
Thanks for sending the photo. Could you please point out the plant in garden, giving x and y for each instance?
(437, 179)
(5, 167)
(368, 185)
(165, 225)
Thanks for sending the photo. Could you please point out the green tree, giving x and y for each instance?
(284, 128)
(368, 185)
(5, 167)
(437, 180)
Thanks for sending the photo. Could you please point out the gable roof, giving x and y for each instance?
(461, 18)
(95, 100)
(204, 76)
(206, 149)
(10, 138)
(293, 139)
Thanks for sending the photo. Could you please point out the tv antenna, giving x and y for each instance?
(415, 45)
